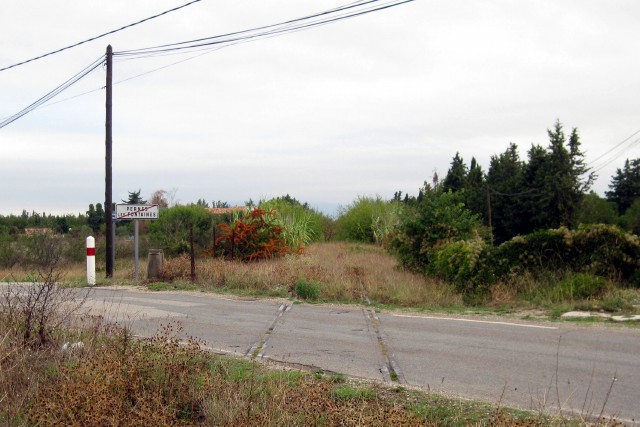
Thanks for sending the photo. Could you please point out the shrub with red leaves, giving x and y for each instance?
(255, 238)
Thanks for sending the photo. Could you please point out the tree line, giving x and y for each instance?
(547, 190)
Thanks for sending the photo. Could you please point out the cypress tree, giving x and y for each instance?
(625, 185)
(456, 176)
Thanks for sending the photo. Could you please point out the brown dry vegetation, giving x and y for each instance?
(114, 379)
(88, 372)
(345, 273)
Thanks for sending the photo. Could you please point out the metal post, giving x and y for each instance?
(135, 250)
(113, 252)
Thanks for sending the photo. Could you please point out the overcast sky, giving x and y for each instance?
(366, 106)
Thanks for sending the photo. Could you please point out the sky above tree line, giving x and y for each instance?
(365, 106)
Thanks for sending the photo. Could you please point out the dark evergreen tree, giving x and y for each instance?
(62, 224)
(505, 182)
(456, 176)
(135, 198)
(534, 179)
(625, 185)
(95, 217)
(565, 182)
(475, 190)
(583, 177)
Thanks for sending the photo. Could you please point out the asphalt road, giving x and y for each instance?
(579, 370)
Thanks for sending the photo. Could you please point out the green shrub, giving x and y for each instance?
(614, 302)
(9, 253)
(464, 263)
(301, 225)
(542, 250)
(601, 250)
(438, 219)
(170, 231)
(308, 290)
(608, 251)
(582, 286)
(368, 220)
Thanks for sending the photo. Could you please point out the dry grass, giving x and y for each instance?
(345, 273)
(113, 379)
(87, 372)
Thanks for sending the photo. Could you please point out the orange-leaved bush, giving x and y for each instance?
(253, 238)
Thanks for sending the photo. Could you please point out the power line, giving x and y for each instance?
(614, 152)
(98, 37)
(62, 87)
(274, 30)
(350, 11)
(237, 33)
(617, 155)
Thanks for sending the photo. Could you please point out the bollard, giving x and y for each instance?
(154, 263)
(91, 260)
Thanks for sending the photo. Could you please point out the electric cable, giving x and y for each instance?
(617, 155)
(339, 8)
(62, 87)
(275, 30)
(98, 37)
(294, 25)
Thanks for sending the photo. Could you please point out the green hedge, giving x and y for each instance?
(600, 250)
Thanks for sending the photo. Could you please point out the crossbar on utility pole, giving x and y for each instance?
(108, 193)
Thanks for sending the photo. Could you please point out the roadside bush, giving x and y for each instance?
(172, 228)
(308, 290)
(607, 251)
(128, 382)
(176, 268)
(603, 250)
(367, 220)
(542, 250)
(9, 253)
(465, 263)
(254, 238)
(615, 301)
(437, 220)
(631, 218)
(300, 224)
(39, 308)
(582, 286)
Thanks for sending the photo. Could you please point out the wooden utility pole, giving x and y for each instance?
(192, 254)
(489, 209)
(108, 193)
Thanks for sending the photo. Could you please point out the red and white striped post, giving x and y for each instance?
(91, 260)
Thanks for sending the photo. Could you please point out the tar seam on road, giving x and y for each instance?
(256, 351)
(391, 371)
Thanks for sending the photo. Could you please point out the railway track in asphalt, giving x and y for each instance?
(388, 365)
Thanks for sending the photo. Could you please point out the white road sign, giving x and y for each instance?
(137, 211)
